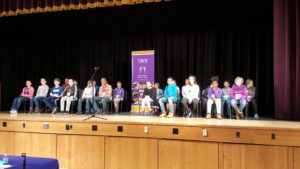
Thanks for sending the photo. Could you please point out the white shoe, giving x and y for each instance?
(13, 111)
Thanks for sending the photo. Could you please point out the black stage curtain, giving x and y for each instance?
(218, 37)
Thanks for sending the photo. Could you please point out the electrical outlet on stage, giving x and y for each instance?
(146, 130)
(204, 132)
(45, 126)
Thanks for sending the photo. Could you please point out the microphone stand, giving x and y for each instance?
(24, 160)
(93, 115)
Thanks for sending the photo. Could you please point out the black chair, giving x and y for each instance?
(25, 103)
(73, 103)
(124, 101)
(198, 110)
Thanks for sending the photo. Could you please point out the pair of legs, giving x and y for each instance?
(228, 106)
(36, 101)
(117, 103)
(67, 99)
(104, 101)
(87, 106)
(162, 102)
(51, 102)
(210, 102)
(17, 103)
(253, 101)
(185, 102)
(146, 101)
(238, 109)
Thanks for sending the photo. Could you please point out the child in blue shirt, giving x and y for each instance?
(55, 95)
(170, 96)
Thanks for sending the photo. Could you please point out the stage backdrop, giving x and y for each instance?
(142, 63)
(225, 38)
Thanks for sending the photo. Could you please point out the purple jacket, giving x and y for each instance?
(238, 90)
(218, 93)
(119, 92)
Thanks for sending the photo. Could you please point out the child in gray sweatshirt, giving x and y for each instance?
(41, 94)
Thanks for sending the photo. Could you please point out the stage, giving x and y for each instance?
(150, 142)
(127, 118)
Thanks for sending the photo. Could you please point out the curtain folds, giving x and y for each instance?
(18, 7)
(287, 59)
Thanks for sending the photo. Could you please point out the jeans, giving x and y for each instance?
(87, 105)
(37, 101)
(51, 102)
(236, 107)
(17, 102)
(227, 105)
(210, 103)
(104, 101)
(185, 103)
(164, 100)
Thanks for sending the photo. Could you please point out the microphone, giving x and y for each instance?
(96, 68)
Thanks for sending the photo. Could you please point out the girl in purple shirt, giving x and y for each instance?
(214, 96)
(118, 95)
(238, 94)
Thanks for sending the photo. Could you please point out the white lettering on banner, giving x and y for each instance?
(142, 60)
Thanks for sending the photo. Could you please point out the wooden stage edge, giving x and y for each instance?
(155, 120)
(146, 142)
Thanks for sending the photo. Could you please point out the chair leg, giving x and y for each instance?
(127, 106)
(24, 104)
(247, 111)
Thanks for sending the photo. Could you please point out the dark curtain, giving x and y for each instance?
(220, 37)
(287, 59)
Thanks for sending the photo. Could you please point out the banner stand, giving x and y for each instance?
(142, 70)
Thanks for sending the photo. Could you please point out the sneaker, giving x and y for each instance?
(219, 117)
(237, 115)
(37, 110)
(170, 115)
(190, 114)
(208, 116)
(54, 110)
(79, 113)
(164, 114)
(256, 116)
(13, 111)
(241, 115)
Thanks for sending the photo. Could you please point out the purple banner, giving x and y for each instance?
(142, 71)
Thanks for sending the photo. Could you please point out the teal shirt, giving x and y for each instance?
(159, 93)
(171, 91)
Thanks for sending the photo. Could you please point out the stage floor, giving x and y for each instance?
(154, 120)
